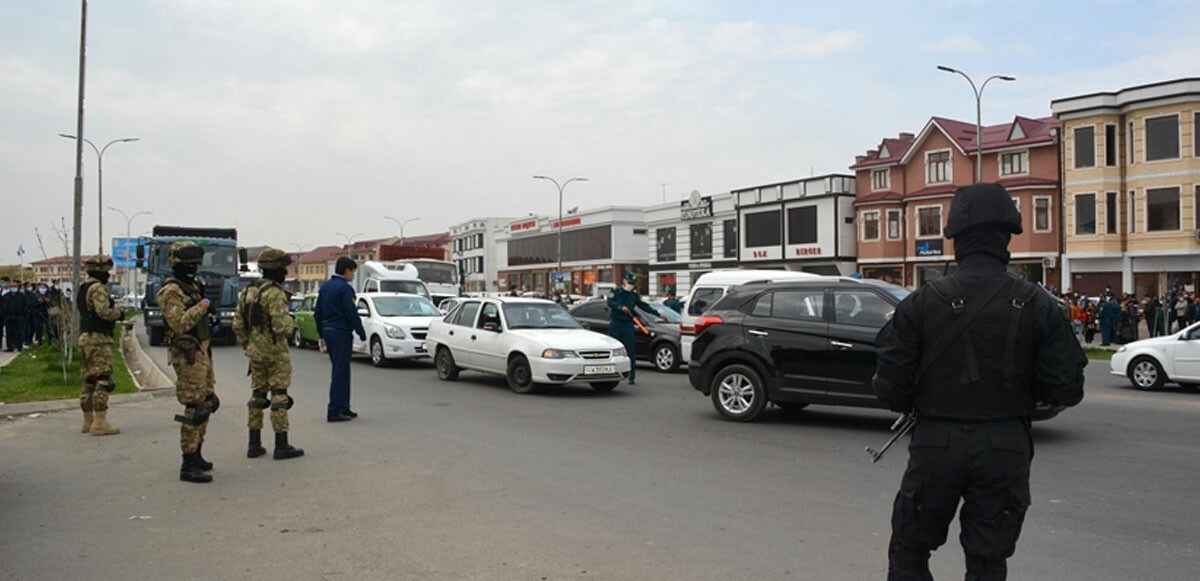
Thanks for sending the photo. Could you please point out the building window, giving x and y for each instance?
(929, 221)
(893, 224)
(1041, 214)
(1111, 219)
(731, 238)
(1110, 145)
(666, 244)
(1015, 163)
(880, 179)
(870, 225)
(593, 243)
(1162, 209)
(802, 225)
(667, 283)
(1129, 144)
(937, 167)
(701, 242)
(1085, 214)
(1132, 209)
(762, 229)
(1162, 137)
(1196, 138)
(1085, 147)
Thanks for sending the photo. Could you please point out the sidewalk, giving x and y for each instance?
(6, 357)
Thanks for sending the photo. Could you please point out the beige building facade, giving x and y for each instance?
(1131, 185)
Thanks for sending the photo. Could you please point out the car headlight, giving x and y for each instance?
(1121, 349)
(620, 352)
(394, 332)
(558, 354)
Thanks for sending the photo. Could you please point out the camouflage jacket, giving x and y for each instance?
(262, 322)
(98, 301)
(183, 312)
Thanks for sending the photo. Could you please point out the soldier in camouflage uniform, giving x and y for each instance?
(97, 318)
(262, 325)
(186, 313)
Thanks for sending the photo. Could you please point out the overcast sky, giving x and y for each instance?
(296, 119)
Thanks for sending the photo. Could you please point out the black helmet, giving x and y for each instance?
(982, 205)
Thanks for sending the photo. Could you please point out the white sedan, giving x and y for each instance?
(396, 324)
(529, 341)
(1150, 363)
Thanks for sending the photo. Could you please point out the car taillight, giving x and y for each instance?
(701, 324)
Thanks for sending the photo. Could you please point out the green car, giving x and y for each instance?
(305, 332)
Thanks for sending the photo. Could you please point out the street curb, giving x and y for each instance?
(57, 405)
(151, 377)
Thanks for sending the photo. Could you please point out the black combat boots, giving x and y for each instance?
(255, 449)
(203, 464)
(283, 450)
(190, 471)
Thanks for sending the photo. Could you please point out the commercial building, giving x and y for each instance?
(1131, 180)
(598, 246)
(474, 250)
(313, 268)
(805, 224)
(689, 238)
(906, 184)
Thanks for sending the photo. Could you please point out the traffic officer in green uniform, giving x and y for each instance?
(621, 304)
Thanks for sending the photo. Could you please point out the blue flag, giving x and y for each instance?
(20, 249)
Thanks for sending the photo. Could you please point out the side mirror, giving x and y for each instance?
(364, 313)
(491, 326)
(141, 251)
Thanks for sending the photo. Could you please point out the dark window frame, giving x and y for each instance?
(1154, 129)
(1085, 157)
(1079, 230)
(1153, 213)
(1110, 144)
(696, 249)
(1112, 211)
(731, 238)
(803, 224)
(764, 235)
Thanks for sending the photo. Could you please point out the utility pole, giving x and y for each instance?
(664, 186)
(77, 238)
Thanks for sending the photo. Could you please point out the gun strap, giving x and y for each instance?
(967, 315)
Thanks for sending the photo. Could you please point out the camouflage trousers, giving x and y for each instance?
(194, 383)
(271, 376)
(96, 367)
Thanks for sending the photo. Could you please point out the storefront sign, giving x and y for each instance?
(696, 207)
(760, 254)
(929, 247)
(568, 222)
(700, 266)
(521, 226)
(808, 251)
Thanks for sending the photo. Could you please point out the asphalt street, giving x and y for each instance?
(466, 480)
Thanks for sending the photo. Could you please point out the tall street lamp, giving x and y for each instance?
(560, 213)
(401, 225)
(978, 121)
(128, 221)
(100, 180)
(349, 239)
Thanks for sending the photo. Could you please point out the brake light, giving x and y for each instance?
(701, 324)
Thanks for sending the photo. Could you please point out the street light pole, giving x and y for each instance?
(560, 213)
(128, 221)
(100, 180)
(401, 225)
(349, 239)
(978, 114)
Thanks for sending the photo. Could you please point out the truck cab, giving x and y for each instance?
(218, 274)
(374, 277)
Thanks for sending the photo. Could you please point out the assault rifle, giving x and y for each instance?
(903, 425)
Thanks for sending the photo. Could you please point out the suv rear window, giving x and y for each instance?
(799, 304)
(702, 299)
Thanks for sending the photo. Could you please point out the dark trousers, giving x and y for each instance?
(1106, 332)
(38, 333)
(337, 344)
(15, 332)
(984, 464)
(623, 332)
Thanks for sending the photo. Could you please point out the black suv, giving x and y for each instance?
(656, 341)
(791, 343)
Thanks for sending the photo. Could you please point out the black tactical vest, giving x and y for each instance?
(89, 321)
(194, 293)
(986, 373)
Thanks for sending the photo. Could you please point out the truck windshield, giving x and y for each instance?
(218, 260)
(411, 287)
(436, 272)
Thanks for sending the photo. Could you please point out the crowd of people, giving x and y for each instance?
(1118, 318)
(28, 310)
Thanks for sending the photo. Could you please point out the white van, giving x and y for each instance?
(710, 287)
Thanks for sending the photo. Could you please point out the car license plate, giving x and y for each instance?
(599, 369)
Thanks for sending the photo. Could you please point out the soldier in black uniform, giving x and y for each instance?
(971, 354)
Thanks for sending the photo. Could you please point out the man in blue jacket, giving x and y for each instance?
(336, 317)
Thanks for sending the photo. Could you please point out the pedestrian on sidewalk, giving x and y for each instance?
(263, 324)
(16, 314)
(336, 317)
(97, 320)
(1150, 307)
(1107, 313)
(186, 313)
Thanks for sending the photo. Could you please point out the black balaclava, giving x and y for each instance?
(275, 275)
(101, 276)
(186, 272)
(990, 241)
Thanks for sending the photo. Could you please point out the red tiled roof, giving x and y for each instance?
(322, 254)
(879, 197)
(963, 135)
(895, 148)
(57, 260)
(1024, 181)
(372, 243)
(933, 191)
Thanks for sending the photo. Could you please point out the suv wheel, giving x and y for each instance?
(738, 393)
(666, 358)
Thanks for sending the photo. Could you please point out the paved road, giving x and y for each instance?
(467, 480)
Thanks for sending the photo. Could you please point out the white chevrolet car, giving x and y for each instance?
(529, 341)
(1150, 363)
(396, 324)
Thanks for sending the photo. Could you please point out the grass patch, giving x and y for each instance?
(1098, 354)
(36, 374)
